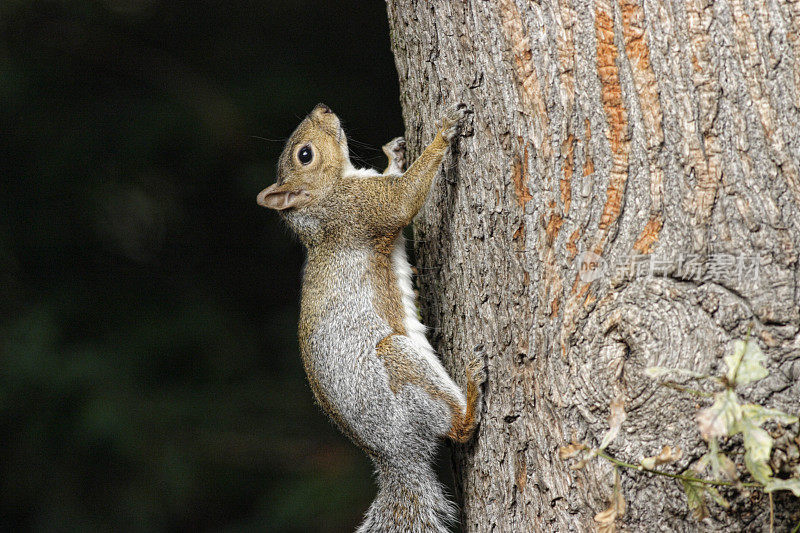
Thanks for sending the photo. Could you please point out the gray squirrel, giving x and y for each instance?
(365, 353)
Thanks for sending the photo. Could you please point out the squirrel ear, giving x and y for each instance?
(279, 198)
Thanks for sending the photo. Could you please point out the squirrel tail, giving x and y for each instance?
(410, 500)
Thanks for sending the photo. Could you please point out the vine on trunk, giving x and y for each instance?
(726, 417)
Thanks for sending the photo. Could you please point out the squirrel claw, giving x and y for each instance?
(395, 149)
(453, 119)
(476, 371)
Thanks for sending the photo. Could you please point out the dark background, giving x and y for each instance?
(149, 374)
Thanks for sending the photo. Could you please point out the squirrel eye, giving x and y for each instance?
(305, 155)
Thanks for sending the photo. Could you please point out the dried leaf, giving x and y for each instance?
(606, 528)
(717, 497)
(648, 462)
(615, 420)
(727, 467)
(607, 516)
(579, 465)
(718, 461)
(745, 363)
(720, 419)
(700, 466)
(695, 498)
(606, 519)
(659, 371)
(792, 484)
(758, 414)
(668, 454)
(619, 498)
(571, 450)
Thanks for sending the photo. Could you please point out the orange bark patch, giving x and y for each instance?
(613, 204)
(568, 149)
(528, 85)
(583, 290)
(588, 166)
(571, 247)
(519, 176)
(644, 244)
(644, 79)
(696, 64)
(616, 116)
(554, 306)
(553, 225)
(635, 45)
(566, 194)
(519, 238)
(520, 471)
(590, 299)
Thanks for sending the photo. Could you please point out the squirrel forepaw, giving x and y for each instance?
(395, 151)
(452, 120)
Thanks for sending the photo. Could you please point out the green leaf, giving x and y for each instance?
(758, 414)
(720, 419)
(757, 445)
(695, 499)
(792, 484)
(658, 371)
(760, 470)
(745, 364)
(756, 440)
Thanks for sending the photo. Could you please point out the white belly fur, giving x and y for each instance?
(414, 328)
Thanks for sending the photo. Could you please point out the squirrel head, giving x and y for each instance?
(314, 158)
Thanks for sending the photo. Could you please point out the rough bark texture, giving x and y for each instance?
(665, 132)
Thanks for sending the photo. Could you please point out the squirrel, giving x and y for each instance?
(369, 364)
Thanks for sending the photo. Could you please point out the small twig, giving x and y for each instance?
(796, 528)
(681, 388)
(771, 515)
(617, 462)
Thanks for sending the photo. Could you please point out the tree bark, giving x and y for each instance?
(662, 136)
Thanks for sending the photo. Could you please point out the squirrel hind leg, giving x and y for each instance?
(463, 427)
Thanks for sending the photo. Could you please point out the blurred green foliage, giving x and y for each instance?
(149, 370)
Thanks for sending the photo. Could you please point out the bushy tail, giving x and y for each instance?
(410, 500)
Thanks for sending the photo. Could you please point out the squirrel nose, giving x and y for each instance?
(323, 108)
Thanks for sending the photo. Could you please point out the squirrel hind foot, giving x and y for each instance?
(464, 427)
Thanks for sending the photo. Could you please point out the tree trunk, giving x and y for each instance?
(654, 142)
